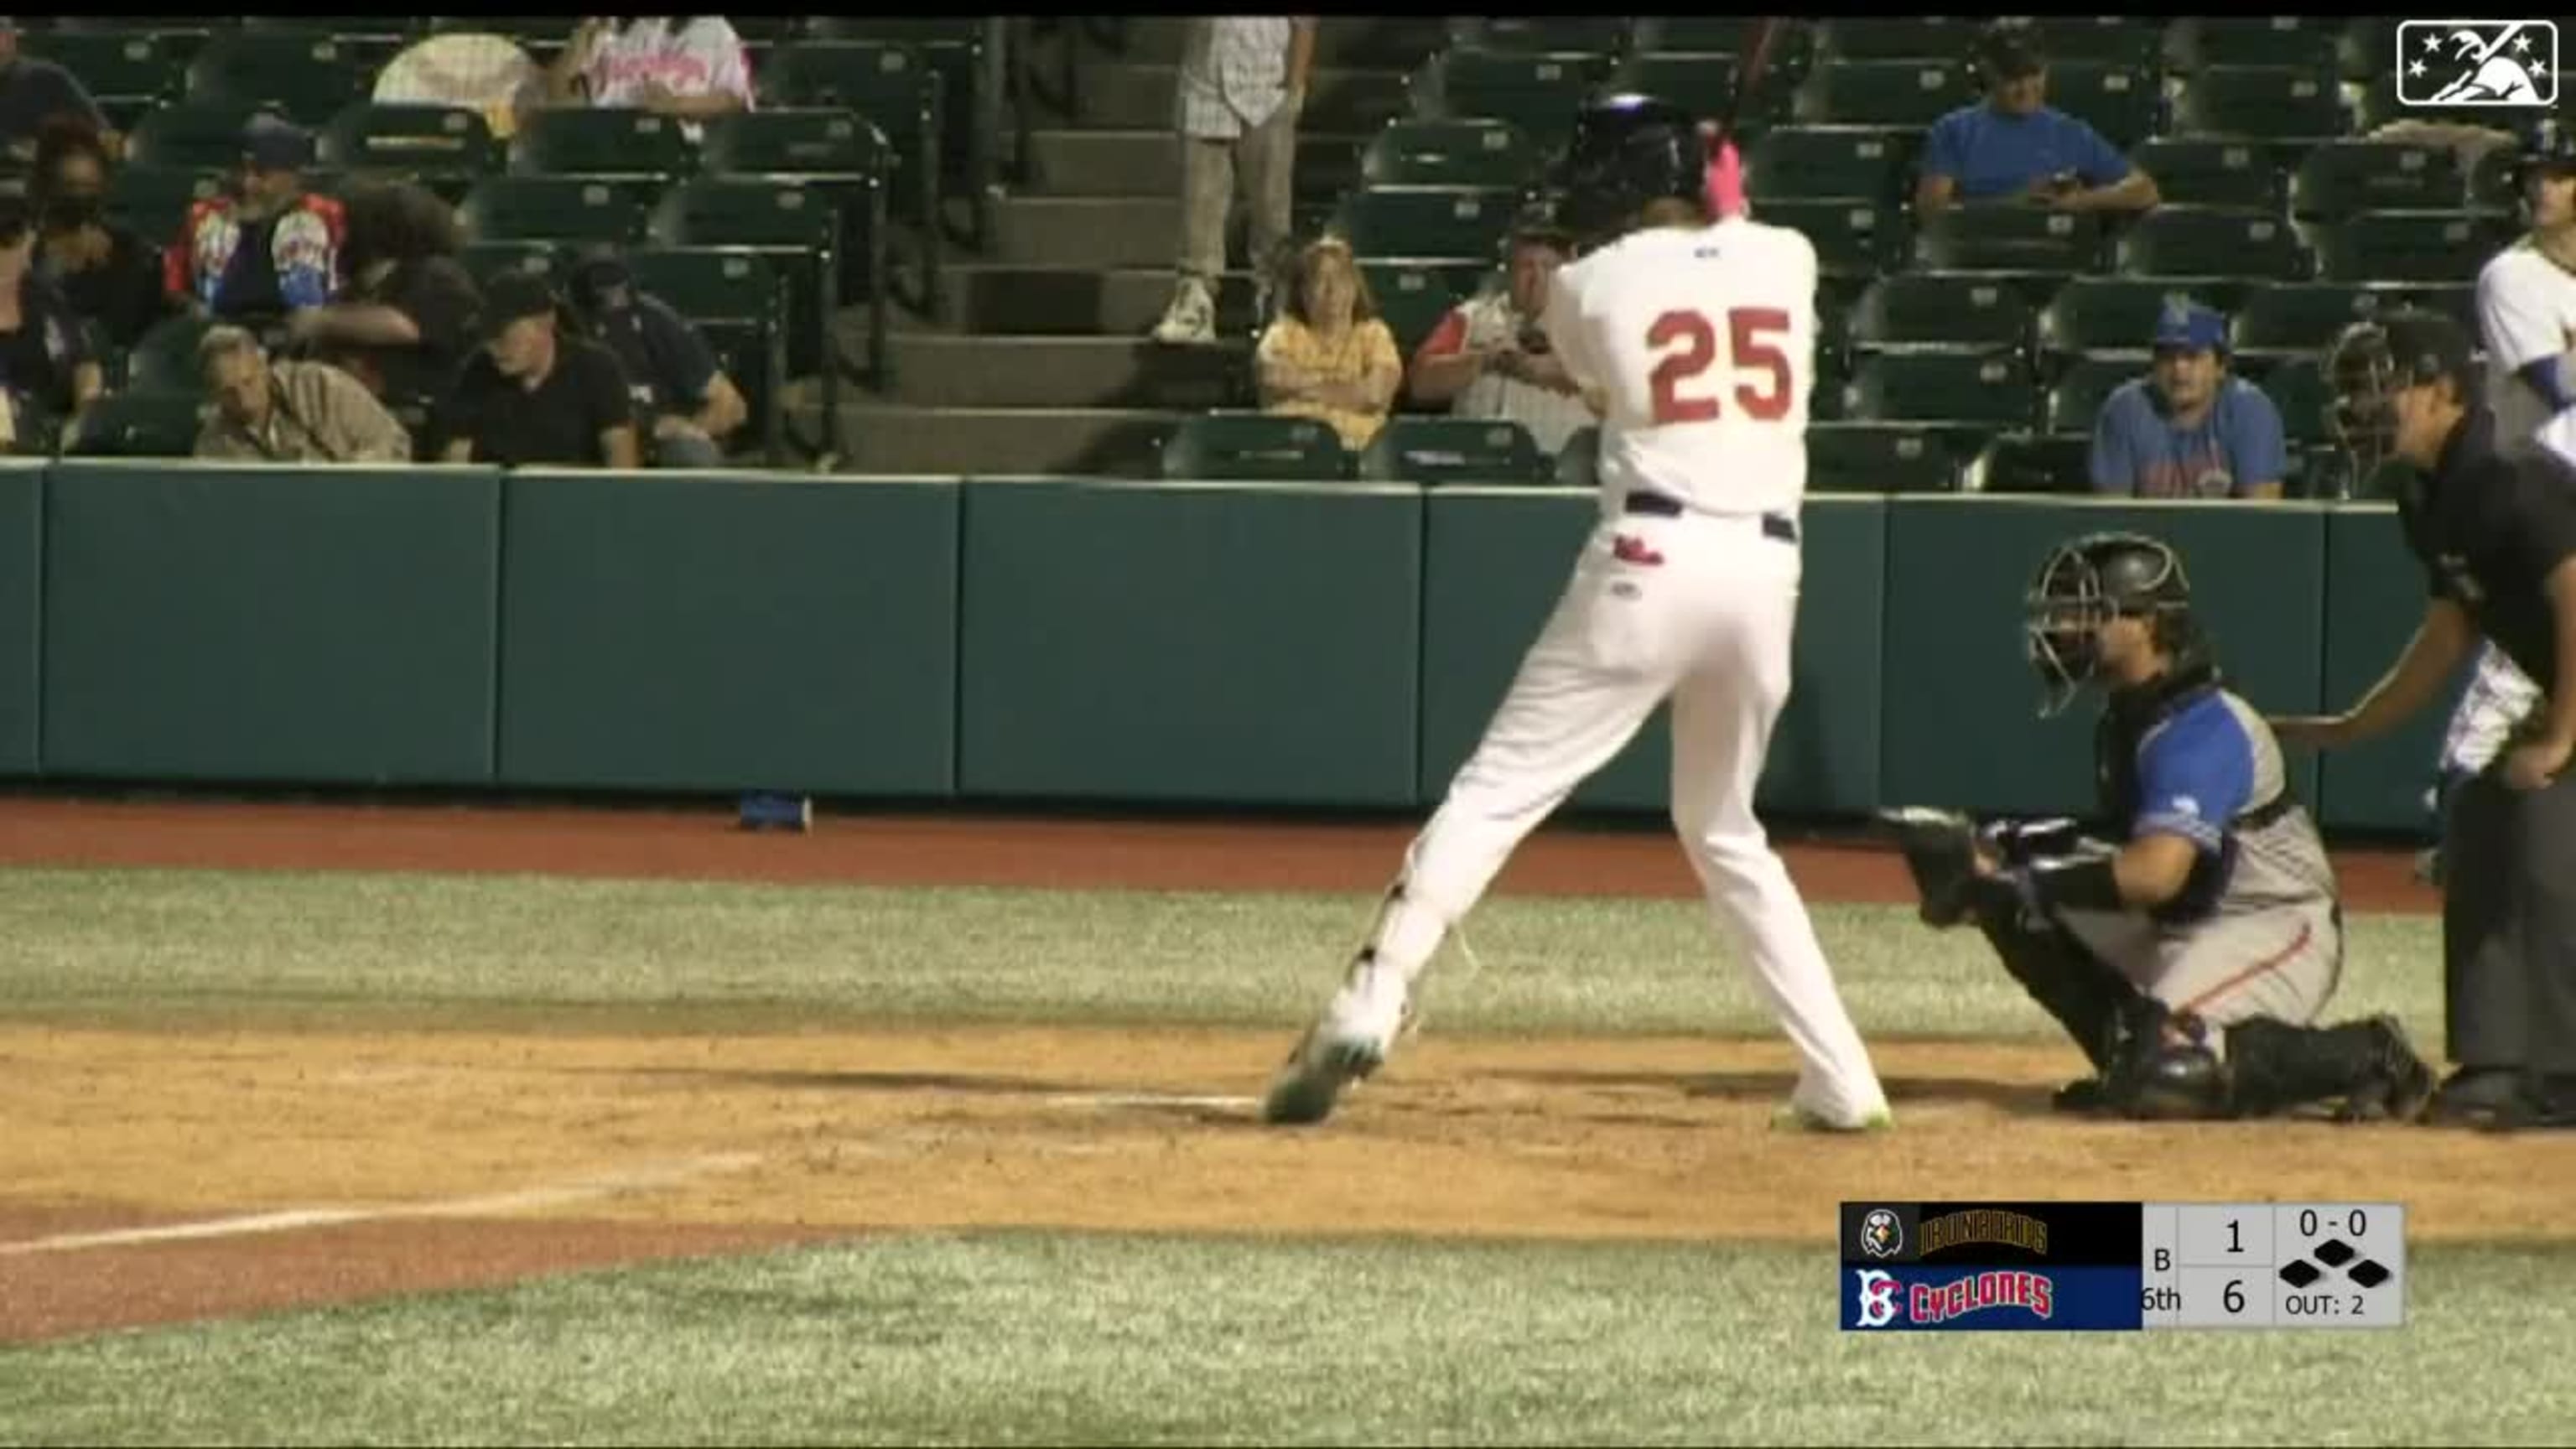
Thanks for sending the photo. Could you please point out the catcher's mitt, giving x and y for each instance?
(1940, 849)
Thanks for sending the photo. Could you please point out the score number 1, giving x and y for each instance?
(1753, 338)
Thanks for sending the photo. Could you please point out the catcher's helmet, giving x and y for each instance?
(2372, 360)
(1627, 151)
(2087, 582)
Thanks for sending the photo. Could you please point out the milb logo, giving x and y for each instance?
(2477, 63)
(1880, 1304)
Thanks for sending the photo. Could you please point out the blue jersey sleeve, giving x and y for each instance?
(1942, 150)
(2194, 776)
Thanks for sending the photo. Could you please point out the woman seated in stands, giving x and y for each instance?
(688, 67)
(1327, 355)
(49, 371)
(109, 275)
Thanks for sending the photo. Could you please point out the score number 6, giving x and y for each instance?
(1753, 338)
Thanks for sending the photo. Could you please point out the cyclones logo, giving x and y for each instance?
(1877, 1298)
(1999, 1288)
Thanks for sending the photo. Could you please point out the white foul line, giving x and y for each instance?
(1146, 1099)
(641, 1179)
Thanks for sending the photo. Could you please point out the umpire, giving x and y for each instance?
(2496, 537)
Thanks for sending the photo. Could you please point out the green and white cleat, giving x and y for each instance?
(1795, 1118)
(1312, 1079)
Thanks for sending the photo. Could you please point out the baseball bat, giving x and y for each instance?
(1725, 163)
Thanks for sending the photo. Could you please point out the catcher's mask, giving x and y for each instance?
(2085, 584)
(2372, 361)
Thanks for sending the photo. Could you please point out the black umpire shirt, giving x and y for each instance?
(2489, 531)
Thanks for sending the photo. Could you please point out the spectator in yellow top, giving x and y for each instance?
(1327, 355)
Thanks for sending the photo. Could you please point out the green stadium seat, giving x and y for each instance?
(2198, 171)
(2008, 238)
(2457, 301)
(153, 201)
(485, 260)
(2101, 314)
(2408, 246)
(116, 65)
(1896, 37)
(1879, 458)
(164, 358)
(951, 49)
(2491, 182)
(1703, 82)
(1901, 93)
(2119, 100)
(1435, 450)
(733, 297)
(2043, 463)
(562, 209)
(1448, 153)
(796, 228)
(2339, 178)
(445, 148)
(1864, 162)
(2299, 391)
(1538, 92)
(2289, 41)
(2108, 39)
(896, 89)
(887, 29)
(824, 141)
(2263, 103)
(2303, 317)
(309, 78)
(203, 135)
(602, 142)
(1254, 447)
(1598, 34)
(2208, 241)
(1852, 238)
(1426, 221)
(1989, 388)
(2075, 397)
(1412, 299)
(1930, 308)
(1793, 42)
(136, 425)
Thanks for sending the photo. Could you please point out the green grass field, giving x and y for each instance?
(1024, 1337)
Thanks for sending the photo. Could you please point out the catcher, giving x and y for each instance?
(2188, 959)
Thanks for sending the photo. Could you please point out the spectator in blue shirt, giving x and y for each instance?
(2013, 146)
(2188, 429)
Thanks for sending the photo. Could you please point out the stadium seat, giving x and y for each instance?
(1879, 458)
(1411, 299)
(1793, 43)
(2208, 241)
(2339, 178)
(951, 49)
(563, 209)
(1903, 93)
(1897, 37)
(733, 297)
(2102, 314)
(796, 229)
(2075, 398)
(153, 201)
(2264, 103)
(307, 77)
(2290, 41)
(1863, 162)
(830, 152)
(2024, 463)
(1466, 451)
(1447, 153)
(1600, 34)
(1930, 308)
(893, 87)
(1254, 447)
(1703, 82)
(2491, 181)
(199, 135)
(1538, 92)
(1986, 387)
(2198, 171)
(164, 358)
(485, 260)
(2457, 301)
(445, 148)
(2008, 238)
(115, 65)
(1852, 238)
(601, 142)
(2109, 39)
(136, 425)
(2409, 246)
(1425, 221)
(2304, 317)
(2299, 391)
(2115, 98)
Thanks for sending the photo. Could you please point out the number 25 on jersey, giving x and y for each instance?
(1686, 342)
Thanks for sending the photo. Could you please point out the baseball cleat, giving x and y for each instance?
(2472, 1097)
(1940, 849)
(1311, 1081)
(1794, 1117)
(2081, 1097)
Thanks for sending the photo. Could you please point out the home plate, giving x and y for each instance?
(1150, 1099)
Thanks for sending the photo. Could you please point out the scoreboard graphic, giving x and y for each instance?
(2120, 1266)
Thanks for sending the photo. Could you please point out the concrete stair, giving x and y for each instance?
(1036, 300)
(1139, 96)
(1121, 163)
(1068, 372)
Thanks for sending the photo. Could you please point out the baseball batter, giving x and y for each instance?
(1696, 339)
(2189, 958)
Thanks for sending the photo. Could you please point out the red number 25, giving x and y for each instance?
(1753, 337)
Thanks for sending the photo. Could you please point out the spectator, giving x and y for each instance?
(110, 275)
(2013, 146)
(288, 412)
(479, 71)
(1242, 88)
(533, 397)
(33, 92)
(274, 251)
(1489, 359)
(686, 404)
(690, 68)
(1327, 355)
(403, 322)
(49, 372)
(2188, 429)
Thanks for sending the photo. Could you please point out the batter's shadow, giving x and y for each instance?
(1772, 1088)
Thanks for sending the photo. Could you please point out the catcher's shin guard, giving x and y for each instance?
(2069, 982)
(2155, 1077)
(2368, 1068)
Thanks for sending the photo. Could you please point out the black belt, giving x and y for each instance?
(1774, 525)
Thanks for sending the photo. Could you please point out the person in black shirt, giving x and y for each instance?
(686, 405)
(532, 397)
(33, 92)
(2497, 540)
(403, 324)
(48, 366)
(111, 276)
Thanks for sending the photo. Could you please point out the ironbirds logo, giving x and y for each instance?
(1882, 1234)
(1877, 1298)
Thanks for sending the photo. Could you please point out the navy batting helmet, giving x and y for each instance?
(2548, 149)
(2087, 582)
(1627, 151)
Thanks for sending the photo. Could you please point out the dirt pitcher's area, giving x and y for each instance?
(158, 1176)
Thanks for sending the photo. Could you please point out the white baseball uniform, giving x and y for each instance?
(1700, 344)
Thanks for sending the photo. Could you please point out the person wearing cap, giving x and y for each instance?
(1489, 358)
(686, 404)
(2014, 146)
(2189, 429)
(33, 92)
(273, 249)
(531, 396)
(2495, 533)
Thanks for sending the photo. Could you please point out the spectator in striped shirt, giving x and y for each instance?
(1242, 88)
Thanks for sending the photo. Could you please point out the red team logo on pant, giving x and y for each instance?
(1632, 550)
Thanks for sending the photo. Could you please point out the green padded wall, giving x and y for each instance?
(312, 624)
(1243, 642)
(22, 572)
(1961, 724)
(2374, 599)
(1496, 560)
(729, 631)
